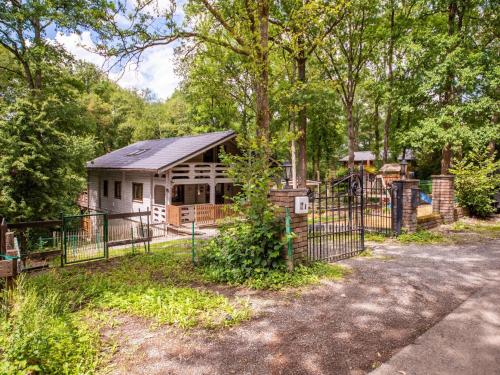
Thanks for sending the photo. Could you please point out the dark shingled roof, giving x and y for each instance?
(360, 155)
(158, 154)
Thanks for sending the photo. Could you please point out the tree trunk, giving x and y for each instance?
(388, 117)
(446, 153)
(446, 159)
(376, 129)
(302, 123)
(351, 134)
(38, 43)
(262, 84)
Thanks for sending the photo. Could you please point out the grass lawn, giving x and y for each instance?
(51, 323)
(484, 227)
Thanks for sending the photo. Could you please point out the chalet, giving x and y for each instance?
(179, 179)
(367, 158)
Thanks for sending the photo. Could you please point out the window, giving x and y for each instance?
(118, 189)
(137, 192)
(159, 194)
(138, 152)
(105, 188)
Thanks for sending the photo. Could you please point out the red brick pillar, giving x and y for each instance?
(286, 199)
(409, 201)
(443, 197)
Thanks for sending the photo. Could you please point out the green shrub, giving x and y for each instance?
(251, 245)
(341, 172)
(244, 250)
(40, 335)
(476, 181)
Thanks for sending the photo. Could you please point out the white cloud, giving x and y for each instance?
(154, 72)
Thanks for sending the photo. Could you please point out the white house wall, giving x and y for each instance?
(126, 203)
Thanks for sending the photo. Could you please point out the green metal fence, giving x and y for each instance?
(84, 237)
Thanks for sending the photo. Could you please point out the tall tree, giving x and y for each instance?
(23, 28)
(453, 52)
(302, 25)
(345, 55)
(241, 26)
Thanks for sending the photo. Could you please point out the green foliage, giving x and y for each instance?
(421, 237)
(47, 323)
(38, 334)
(490, 229)
(252, 244)
(375, 237)
(341, 172)
(42, 163)
(162, 292)
(301, 275)
(244, 249)
(476, 181)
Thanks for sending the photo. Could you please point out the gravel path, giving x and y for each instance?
(347, 327)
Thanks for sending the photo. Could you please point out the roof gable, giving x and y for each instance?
(159, 154)
(360, 156)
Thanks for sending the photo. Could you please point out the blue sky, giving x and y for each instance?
(155, 72)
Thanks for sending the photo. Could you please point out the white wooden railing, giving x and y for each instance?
(199, 172)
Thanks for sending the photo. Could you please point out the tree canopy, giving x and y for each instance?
(334, 77)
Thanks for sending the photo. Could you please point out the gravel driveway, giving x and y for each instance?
(347, 327)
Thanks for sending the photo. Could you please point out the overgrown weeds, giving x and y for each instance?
(280, 278)
(40, 334)
(484, 228)
(422, 237)
(47, 321)
(375, 237)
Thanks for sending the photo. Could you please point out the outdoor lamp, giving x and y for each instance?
(404, 166)
(287, 169)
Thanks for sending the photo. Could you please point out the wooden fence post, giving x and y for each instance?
(3, 236)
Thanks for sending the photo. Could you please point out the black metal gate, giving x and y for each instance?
(379, 209)
(343, 211)
(335, 223)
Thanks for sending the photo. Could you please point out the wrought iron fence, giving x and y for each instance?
(335, 222)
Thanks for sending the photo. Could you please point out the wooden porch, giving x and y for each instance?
(201, 214)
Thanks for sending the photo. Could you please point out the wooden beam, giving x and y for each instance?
(128, 214)
(128, 242)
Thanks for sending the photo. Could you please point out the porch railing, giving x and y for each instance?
(202, 214)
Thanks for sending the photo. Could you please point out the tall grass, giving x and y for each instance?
(39, 334)
(50, 321)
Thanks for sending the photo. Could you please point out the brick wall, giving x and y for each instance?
(285, 198)
(443, 197)
(409, 218)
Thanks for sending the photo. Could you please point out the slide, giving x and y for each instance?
(425, 198)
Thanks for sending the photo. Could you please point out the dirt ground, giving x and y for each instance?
(347, 327)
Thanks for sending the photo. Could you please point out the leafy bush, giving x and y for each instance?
(251, 245)
(341, 172)
(244, 250)
(38, 334)
(371, 169)
(476, 180)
